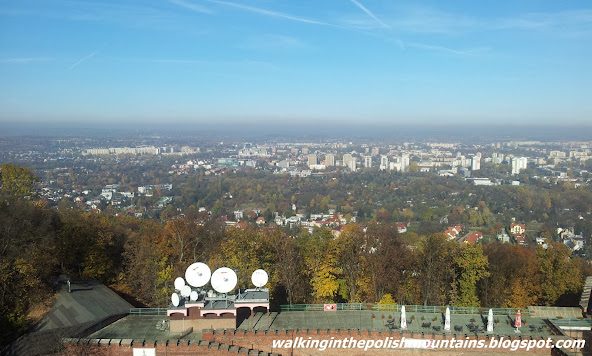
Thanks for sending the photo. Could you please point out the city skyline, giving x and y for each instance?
(336, 61)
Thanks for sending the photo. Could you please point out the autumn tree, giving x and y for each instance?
(17, 180)
(436, 269)
(289, 265)
(350, 245)
(320, 256)
(559, 274)
(471, 267)
(384, 259)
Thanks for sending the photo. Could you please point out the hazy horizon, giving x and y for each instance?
(271, 130)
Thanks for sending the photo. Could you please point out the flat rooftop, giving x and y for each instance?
(141, 327)
(362, 319)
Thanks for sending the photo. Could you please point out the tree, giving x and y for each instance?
(320, 256)
(559, 274)
(471, 267)
(349, 258)
(17, 180)
(383, 259)
(289, 263)
(436, 269)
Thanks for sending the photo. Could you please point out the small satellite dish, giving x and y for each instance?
(175, 299)
(179, 283)
(198, 274)
(223, 280)
(259, 278)
(185, 291)
(211, 294)
(193, 296)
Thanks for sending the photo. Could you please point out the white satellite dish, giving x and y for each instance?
(211, 294)
(175, 299)
(223, 280)
(179, 283)
(193, 296)
(186, 291)
(259, 278)
(198, 274)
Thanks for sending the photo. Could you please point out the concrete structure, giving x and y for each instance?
(384, 162)
(404, 162)
(476, 163)
(312, 160)
(329, 160)
(368, 161)
(518, 163)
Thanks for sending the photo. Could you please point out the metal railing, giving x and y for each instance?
(408, 308)
(148, 311)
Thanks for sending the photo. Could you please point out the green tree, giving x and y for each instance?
(17, 180)
(471, 267)
(559, 274)
(320, 256)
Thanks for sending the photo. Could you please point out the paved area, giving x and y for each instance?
(363, 320)
(141, 327)
(554, 312)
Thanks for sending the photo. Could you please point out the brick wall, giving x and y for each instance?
(234, 342)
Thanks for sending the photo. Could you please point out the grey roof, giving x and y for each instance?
(72, 314)
(89, 302)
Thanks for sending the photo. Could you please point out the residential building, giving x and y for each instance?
(404, 162)
(312, 159)
(384, 162)
(518, 163)
(476, 163)
(517, 229)
(329, 160)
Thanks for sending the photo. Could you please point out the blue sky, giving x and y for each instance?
(325, 61)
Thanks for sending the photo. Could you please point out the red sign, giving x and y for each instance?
(518, 321)
(330, 307)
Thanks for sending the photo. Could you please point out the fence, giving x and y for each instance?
(148, 311)
(408, 308)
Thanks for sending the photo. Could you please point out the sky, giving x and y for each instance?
(284, 62)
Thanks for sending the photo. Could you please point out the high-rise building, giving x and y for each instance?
(404, 162)
(353, 165)
(476, 163)
(312, 159)
(329, 160)
(368, 161)
(384, 162)
(518, 163)
(346, 159)
(375, 151)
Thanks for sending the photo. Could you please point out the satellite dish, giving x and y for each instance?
(193, 296)
(223, 280)
(186, 291)
(179, 283)
(175, 299)
(259, 278)
(198, 274)
(211, 294)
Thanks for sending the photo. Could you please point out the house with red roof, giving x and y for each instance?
(517, 229)
(471, 237)
(401, 228)
(520, 239)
